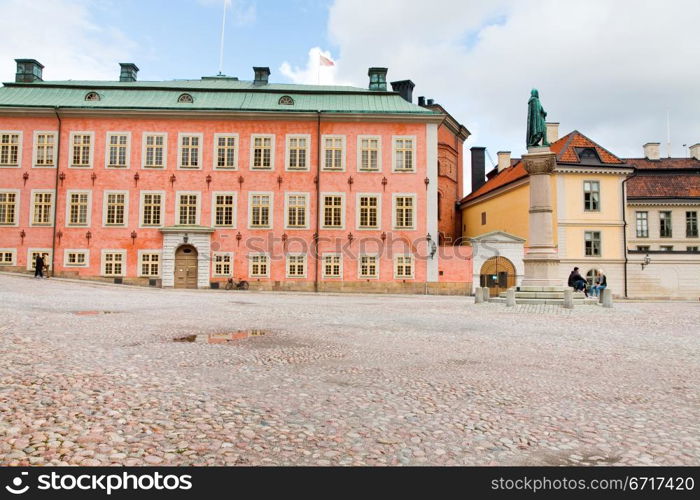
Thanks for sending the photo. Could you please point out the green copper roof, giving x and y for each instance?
(213, 93)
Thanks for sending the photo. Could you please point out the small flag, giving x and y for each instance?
(325, 61)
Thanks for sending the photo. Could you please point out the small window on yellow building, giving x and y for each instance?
(483, 218)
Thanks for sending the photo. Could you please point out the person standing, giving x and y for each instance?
(39, 266)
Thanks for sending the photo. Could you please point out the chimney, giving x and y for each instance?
(695, 151)
(552, 132)
(28, 70)
(405, 88)
(262, 75)
(478, 167)
(377, 78)
(431, 102)
(503, 160)
(421, 100)
(128, 72)
(652, 150)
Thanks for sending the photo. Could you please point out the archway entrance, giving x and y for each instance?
(498, 274)
(186, 267)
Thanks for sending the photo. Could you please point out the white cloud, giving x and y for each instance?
(63, 37)
(608, 69)
(313, 72)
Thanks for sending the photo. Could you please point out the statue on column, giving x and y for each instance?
(536, 126)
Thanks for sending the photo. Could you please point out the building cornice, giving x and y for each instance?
(219, 114)
(649, 202)
(592, 169)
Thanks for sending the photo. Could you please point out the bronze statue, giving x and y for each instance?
(536, 127)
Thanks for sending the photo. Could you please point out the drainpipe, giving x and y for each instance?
(55, 203)
(624, 225)
(318, 197)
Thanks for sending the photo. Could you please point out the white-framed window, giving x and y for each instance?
(118, 150)
(42, 207)
(81, 149)
(44, 152)
(149, 263)
(78, 208)
(297, 155)
(152, 206)
(8, 256)
(115, 209)
(260, 210)
(296, 265)
(369, 153)
(404, 216)
(113, 263)
(592, 243)
(10, 148)
(258, 265)
(368, 266)
(333, 152)
(224, 209)
(332, 210)
(76, 257)
(262, 152)
(9, 207)
(188, 208)
(190, 154)
(332, 265)
(403, 266)
(33, 253)
(225, 151)
(154, 150)
(223, 264)
(404, 154)
(369, 211)
(296, 209)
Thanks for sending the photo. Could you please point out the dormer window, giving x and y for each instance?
(185, 98)
(92, 96)
(588, 155)
(286, 100)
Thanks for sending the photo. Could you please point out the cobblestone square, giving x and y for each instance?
(90, 375)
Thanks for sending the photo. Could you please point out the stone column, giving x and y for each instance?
(541, 257)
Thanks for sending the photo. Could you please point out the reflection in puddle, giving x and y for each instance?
(222, 338)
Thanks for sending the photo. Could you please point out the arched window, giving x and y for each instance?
(286, 100)
(92, 96)
(185, 98)
(590, 276)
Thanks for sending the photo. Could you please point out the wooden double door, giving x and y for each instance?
(186, 267)
(498, 274)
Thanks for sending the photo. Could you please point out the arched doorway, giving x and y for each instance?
(186, 267)
(498, 274)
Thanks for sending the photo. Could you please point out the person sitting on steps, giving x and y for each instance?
(600, 283)
(577, 282)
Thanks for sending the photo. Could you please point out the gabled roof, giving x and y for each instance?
(566, 149)
(499, 236)
(225, 94)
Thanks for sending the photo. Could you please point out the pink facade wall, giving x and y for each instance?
(195, 180)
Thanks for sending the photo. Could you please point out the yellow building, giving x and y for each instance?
(588, 210)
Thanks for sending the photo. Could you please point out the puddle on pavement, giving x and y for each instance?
(222, 338)
(92, 313)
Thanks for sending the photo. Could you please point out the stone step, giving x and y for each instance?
(542, 295)
(540, 289)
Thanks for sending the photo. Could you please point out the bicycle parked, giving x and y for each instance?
(237, 285)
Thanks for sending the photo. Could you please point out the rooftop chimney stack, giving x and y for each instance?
(29, 70)
(478, 167)
(503, 160)
(431, 102)
(128, 72)
(377, 79)
(421, 100)
(652, 150)
(695, 151)
(552, 132)
(262, 75)
(404, 88)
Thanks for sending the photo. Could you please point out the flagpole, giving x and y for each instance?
(221, 47)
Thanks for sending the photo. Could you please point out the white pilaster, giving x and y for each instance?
(431, 137)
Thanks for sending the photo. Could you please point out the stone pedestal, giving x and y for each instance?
(541, 258)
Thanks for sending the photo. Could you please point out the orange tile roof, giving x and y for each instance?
(565, 150)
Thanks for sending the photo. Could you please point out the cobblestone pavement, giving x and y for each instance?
(340, 379)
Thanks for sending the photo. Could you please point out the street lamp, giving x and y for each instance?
(646, 261)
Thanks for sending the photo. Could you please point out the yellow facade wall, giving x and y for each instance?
(507, 211)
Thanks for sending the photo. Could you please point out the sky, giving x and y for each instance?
(618, 71)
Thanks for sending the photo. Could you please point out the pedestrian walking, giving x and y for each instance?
(39, 266)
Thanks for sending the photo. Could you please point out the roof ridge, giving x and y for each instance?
(601, 147)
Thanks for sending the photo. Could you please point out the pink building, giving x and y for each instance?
(188, 183)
